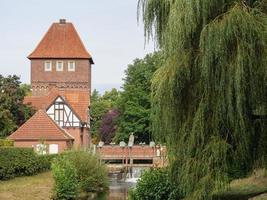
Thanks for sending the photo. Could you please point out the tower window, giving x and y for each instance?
(48, 66)
(71, 66)
(59, 65)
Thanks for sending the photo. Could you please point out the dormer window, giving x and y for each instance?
(59, 65)
(71, 66)
(48, 66)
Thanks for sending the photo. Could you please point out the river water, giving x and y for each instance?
(120, 185)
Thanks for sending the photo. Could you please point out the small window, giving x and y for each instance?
(59, 65)
(48, 66)
(71, 66)
(41, 149)
(53, 148)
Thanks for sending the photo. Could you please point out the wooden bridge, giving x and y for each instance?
(132, 156)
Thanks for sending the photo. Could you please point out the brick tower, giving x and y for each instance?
(60, 60)
(61, 85)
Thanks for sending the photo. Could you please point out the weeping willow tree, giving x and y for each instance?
(209, 98)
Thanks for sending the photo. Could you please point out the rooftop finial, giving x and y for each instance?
(62, 21)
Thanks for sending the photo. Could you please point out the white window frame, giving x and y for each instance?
(45, 66)
(69, 66)
(53, 148)
(57, 66)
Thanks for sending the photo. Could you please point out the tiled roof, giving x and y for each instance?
(78, 100)
(60, 41)
(40, 126)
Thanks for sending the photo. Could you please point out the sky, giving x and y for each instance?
(108, 29)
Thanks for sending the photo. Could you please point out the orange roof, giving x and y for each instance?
(40, 126)
(78, 100)
(61, 41)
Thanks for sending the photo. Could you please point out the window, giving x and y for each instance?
(71, 66)
(41, 149)
(48, 66)
(59, 65)
(59, 113)
(53, 148)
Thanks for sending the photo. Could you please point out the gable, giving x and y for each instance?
(78, 100)
(63, 114)
(40, 126)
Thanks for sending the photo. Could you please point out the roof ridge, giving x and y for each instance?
(41, 40)
(79, 37)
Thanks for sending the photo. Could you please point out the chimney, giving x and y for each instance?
(62, 21)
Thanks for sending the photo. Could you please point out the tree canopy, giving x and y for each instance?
(103, 114)
(209, 97)
(135, 102)
(13, 112)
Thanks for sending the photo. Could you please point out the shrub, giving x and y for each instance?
(91, 175)
(6, 143)
(21, 162)
(65, 176)
(45, 161)
(154, 184)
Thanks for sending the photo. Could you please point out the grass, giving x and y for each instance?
(242, 189)
(27, 188)
(39, 188)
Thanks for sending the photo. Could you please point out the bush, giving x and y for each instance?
(154, 184)
(91, 174)
(6, 143)
(22, 162)
(65, 176)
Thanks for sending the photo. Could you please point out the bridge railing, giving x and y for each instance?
(129, 155)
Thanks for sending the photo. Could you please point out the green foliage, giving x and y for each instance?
(209, 96)
(154, 184)
(134, 103)
(89, 175)
(65, 177)
(12, 110)
(6, 143)
(100, 105)
(22, 162)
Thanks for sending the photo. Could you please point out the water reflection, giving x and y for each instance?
(120, 185)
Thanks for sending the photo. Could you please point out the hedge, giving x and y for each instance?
(6, 143)
(22, 162)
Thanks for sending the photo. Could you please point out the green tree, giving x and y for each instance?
(13, 112)
(211, 91)
(134, 103)
(100, 105)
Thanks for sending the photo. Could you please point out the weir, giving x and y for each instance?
(124, 158)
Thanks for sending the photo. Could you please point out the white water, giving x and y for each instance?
(134, 174)
(119, 184)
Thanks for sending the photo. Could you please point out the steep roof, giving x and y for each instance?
(78, 100)
(61, 41)
(40, 126)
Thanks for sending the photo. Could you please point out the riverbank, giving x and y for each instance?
(253, 187)
(39, 188)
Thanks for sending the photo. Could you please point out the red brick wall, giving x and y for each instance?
(41, 80)
(136, 151)
(62, 145)
(79, 141)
